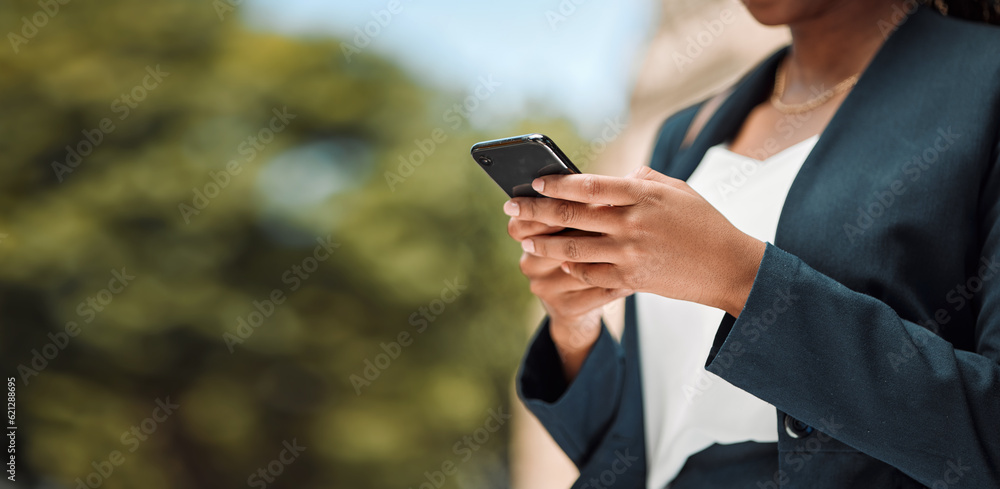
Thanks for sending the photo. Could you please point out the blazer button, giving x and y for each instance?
(796, 428)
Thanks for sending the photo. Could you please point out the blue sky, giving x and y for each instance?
(580, 65)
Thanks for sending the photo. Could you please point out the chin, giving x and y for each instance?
(778, 12)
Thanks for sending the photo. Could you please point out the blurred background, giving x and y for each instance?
(242, 243)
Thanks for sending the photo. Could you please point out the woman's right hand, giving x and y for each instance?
(574, 307)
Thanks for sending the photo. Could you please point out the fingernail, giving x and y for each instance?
(538, 184)
(511, 208)
(565, 267)
(528, 246)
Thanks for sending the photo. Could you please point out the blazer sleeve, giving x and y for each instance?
(848, 365)
(576, 414)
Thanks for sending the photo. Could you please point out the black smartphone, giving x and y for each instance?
(514, 162)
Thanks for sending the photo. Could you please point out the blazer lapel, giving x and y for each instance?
(727, 120)
(856, 137)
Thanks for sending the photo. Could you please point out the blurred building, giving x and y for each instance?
(700, 47)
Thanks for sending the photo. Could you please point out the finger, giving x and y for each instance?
(520, 228)
(585, 300)
(585, 249)
(536, 266)
(548, 272)
(593, 189)
(565, 213)
(605, 275)
(649, 174)
(555, 283)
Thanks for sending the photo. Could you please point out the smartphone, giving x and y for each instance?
(514, 162)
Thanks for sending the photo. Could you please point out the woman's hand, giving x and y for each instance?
(654, 234)
(574, 307)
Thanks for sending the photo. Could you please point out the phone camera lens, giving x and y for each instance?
(485, 161)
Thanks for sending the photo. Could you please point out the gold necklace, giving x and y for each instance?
(779, 92)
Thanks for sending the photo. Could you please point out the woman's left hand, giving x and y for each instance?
(656, 235)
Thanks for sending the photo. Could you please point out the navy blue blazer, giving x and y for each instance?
(873, 325)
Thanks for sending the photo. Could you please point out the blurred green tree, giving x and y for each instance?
(243, 225)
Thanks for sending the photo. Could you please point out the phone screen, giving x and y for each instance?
(514, 163)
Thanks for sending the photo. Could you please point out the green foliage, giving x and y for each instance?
(132, 204)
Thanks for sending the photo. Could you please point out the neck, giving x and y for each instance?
(837, 43)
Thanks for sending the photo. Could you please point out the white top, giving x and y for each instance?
(687, 408)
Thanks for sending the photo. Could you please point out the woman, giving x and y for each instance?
(861, 348)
